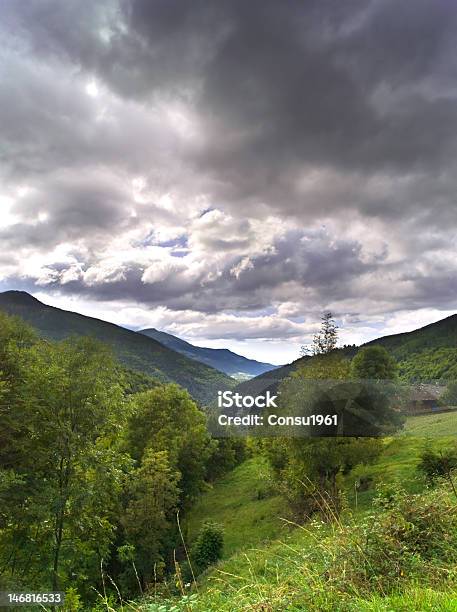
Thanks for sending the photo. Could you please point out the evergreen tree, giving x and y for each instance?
(325, 340)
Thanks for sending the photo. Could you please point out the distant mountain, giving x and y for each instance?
(134, 350)
(222, 359)
(425, 354)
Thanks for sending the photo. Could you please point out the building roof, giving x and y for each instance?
(420, 392)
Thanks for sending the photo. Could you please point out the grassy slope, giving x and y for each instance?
(433, 425)
(234, 502)
(263, 560)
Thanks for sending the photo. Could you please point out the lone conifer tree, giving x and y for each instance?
(325, 340)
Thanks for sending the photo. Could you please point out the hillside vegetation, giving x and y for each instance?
(96, 462)
(308, 567)
(425, 354)
(222, 359)
(244, 503)
(112, 489)
(246, 497)
(135, 350)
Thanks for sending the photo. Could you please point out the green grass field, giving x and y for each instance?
(266, 560)
(244, 503)
(432, 425)
(249, 521)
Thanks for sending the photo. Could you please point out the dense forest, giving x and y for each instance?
(96, 464)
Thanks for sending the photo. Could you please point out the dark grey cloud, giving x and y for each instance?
(335, 114)
(301, 84)
(68, 208)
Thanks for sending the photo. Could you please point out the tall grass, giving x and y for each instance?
(400, 556)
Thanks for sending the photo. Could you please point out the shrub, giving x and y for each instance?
(208, 546)
(439, 464)
(409, 536)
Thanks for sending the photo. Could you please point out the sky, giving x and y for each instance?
(226, 171)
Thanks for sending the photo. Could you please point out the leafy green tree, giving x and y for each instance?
(225, 455)
(149, 517)
(15, 339)
(309, 469)
(374, 363)
(135, 382)
(326, 366)
(376, 371)
(442, 463)
(449, 397)
(306, 469)
(167, 419)
(66, 413)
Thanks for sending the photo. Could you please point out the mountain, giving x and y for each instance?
(134, 350)
(425, 354)
(442, 334)
(222, 359)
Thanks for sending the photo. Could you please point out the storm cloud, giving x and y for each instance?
(262, 160)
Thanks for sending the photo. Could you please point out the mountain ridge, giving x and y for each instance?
(133, 349)
(426, 353)
(223, 360)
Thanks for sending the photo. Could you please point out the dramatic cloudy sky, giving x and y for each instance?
(226, 170)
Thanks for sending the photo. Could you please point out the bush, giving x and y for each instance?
(208, 546)
(449, 397)
(439, 464)
(409, 536)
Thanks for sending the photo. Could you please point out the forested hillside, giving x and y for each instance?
(441, 334)
(95, 464)
(424, 354)
(222, 359)
(135, 350)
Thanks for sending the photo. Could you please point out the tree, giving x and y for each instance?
(208, 546)
(66, 413)
(325, 340)
(439, 464)
(152, 498)
(375, 372)
(374, 363)
(15, 339)
(226, 453)
(167, 419)
(449, 397)
(308, 468)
